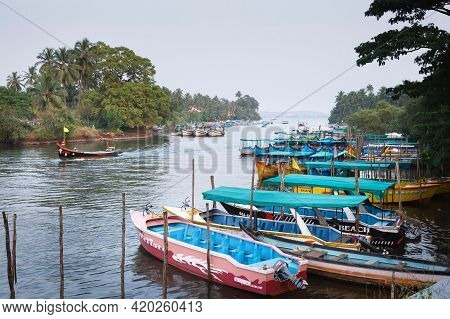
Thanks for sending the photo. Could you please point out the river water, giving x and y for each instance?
(156, 170)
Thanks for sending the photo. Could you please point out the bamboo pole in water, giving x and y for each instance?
(14, 264)
(397, 172)
(251, 194)
(12, 293)
(357, 193)
(393, 286)
(193, 187)
(208, 251)
(122, 263)
(61, 254)
(166, 254)
(213, 185)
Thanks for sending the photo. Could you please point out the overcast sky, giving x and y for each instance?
(277, 51)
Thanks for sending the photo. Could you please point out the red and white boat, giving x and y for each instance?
(235, 261)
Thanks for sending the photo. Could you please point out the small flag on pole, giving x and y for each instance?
(66, 130)
(295, 165)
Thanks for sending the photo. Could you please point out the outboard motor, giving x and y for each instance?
(283, 274)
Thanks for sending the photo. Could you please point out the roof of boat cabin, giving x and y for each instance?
(338, 183)
(287, 199)
(361, 165)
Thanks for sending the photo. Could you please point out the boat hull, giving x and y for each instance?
(193, 260)
(267, 171)
(409, 192)
(364, 273)
(65, 152)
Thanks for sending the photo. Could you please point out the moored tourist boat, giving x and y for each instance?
(359, 267)
(314, 233)
(187, 132)
(200, 132)
(235, 261)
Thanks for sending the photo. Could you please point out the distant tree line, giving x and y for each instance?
(108, 88)
(426, 115)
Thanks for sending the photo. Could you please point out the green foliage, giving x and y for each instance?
(110, 87)
(427, 116)
(203, 108)
(354, 101)
(17, 101)
(382, 119)
(12, 128)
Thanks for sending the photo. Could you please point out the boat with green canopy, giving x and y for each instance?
(238, 195)
(326, 210)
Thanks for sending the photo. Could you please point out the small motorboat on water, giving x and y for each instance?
(65, 152)
(187, 132)
(235, 261)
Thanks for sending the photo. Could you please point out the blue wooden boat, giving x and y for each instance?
(360, 267)
(323, 235)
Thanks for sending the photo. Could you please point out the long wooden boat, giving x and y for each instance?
(266, 171)
(225, 221)
(66, 152)
(235, 261)
(390, 234)
(409, 192)
(443, 184)
(359, 267)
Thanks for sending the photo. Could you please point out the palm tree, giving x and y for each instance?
(14, 82)
(47, 92)
(83, 58)
(30, 76)
(66, 70)
(46, 60)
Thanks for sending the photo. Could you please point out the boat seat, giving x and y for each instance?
(339, 257)
(315, 254)
(400, 265)
(371, 262)
(344, 239)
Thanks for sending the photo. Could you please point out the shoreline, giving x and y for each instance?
(103, 137)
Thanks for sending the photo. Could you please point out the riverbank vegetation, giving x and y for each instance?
(94, 87)
(425, 115)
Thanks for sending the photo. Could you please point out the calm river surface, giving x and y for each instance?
(156, 170)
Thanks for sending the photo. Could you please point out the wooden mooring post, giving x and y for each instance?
(399, 188)
(61, 254)
(193, 190)
(213, 185)
(14, 249)
(122, 263)
(12, 292)
(208, 250)
(393, 286)
(166, 253)
(251, 194)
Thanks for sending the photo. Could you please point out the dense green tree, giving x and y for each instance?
(384, 118)
(14, 82)
(431, 45)
(47, 92)
(19, 102)
(85, 64)
(12, 128)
